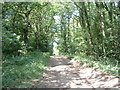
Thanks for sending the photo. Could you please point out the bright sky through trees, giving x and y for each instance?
(75, 29)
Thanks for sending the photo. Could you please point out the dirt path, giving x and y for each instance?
(63, 73)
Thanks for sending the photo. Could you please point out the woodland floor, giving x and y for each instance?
(64, 73)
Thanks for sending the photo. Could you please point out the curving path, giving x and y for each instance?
(65, 73)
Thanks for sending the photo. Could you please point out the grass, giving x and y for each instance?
(18, 71)
(107, 65)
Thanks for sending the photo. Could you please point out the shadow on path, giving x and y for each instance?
(65, 73)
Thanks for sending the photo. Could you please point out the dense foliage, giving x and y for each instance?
(80, 29)
(90, 28)
(26, 27)
(21, 70)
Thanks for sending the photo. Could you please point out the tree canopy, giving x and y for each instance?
(79, 27)
(72, 28)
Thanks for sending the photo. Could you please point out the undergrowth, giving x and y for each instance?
(18, 71)
(108, 65)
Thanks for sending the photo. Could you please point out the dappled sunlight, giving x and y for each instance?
(35, 80)
(65, 73)
(23, 74)
(59, 68)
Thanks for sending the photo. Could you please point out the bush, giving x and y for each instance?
(10, 42)
(18, 71)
